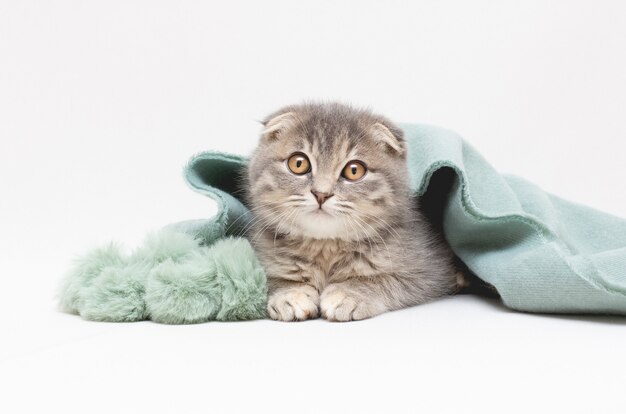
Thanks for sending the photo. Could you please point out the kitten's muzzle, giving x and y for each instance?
(321, 197)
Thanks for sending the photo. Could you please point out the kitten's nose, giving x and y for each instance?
(321, 197)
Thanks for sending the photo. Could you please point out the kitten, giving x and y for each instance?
(334, 223)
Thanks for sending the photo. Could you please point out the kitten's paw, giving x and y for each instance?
(294, 304)
(340, 303)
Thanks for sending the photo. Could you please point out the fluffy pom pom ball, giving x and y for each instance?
(171, 278)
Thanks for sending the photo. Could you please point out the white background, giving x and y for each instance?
(101, 103)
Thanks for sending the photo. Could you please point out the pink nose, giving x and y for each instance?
(321, 197)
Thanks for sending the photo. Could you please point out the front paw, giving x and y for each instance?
(341, 303)
(293, 303)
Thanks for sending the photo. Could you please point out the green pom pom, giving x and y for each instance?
(85, 270)
(185, 292)
(117, 294)
(243, 281)
(170, 279)
(166, 245)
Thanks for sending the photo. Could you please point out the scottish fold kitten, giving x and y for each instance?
(334, 223)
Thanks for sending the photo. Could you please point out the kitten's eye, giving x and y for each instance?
(354, 170)
(299, 164)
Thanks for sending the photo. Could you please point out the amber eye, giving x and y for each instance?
(299, 164)
(354, 170)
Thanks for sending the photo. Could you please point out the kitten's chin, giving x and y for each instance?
(319, 224)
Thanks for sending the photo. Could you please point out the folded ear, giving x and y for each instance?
(390, 136)
(277, 124)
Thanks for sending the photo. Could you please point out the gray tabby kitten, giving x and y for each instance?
(334, 222)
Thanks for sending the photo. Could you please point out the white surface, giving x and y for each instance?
(101, 103)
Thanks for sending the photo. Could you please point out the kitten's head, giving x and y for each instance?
(328, 171)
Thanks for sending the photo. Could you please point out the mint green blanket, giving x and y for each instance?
(542, 253)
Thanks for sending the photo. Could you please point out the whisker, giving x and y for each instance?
(271, 207)
(390, 229)
(248, 225)
(276, 219)
(356, 233)
(365, 233)
(388, 226)
(291, 213)
(382, 240)
(266, 205)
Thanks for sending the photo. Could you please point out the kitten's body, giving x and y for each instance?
(363, 250)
